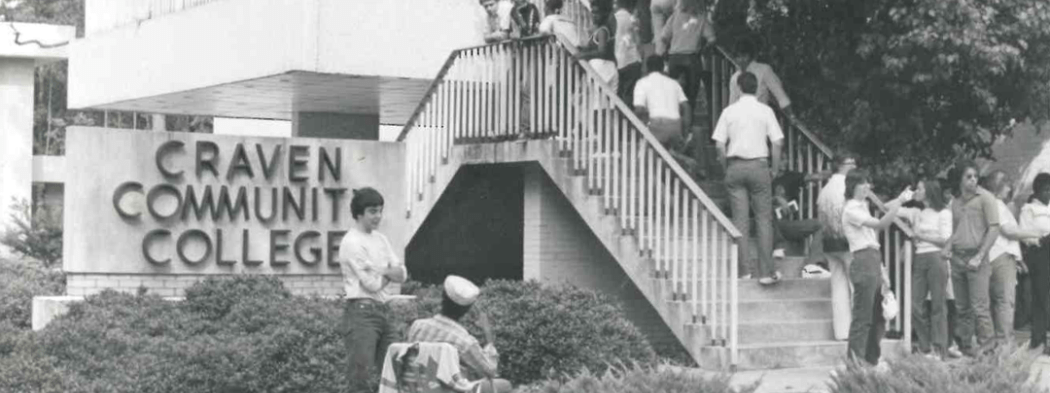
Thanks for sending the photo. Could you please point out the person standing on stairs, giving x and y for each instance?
(557, 23)
(497, 20)
(975, 226)
(599, 50)
(932, 224)
(628, 56)
(369, 265)
(866, 274)
(660, 11)
(830, 203)
(1035, 215)
(685, 35)
(769, 85)
(660, 103)
(740, 137)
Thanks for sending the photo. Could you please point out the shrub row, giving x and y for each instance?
(249, 334)
(19, 282)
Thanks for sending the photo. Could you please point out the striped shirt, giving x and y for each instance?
(477, 362)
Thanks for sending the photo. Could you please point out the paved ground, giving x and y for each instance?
(815, 380)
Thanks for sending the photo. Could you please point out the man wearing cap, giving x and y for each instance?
(369, 264)
(478, 362)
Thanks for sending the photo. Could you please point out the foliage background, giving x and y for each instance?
(909, 85)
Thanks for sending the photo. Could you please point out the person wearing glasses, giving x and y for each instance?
(975, 227)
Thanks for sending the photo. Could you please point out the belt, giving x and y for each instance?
(364, 301)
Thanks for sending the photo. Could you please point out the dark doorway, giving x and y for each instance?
(474, 230)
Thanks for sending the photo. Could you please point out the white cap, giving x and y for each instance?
(461, 291)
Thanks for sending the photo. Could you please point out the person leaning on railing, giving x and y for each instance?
(628, 56)
(932, 224)
(497, 20)
(599, 49)
(870, 285)
(1035, 216)
(557, 23)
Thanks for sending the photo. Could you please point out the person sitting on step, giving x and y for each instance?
(789, 225)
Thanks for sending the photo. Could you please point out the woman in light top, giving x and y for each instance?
(1005, 256)
(932, 224)
(599, 50)
(869, 284)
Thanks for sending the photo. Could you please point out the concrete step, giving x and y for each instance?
(785, 332)
(751, 290)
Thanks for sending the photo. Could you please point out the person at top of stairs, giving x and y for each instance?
(628, 55)
(557, 23)
(497, 20)
(769, 85)
(687, 32)
(599, 50)
(830, 202)
(740, 137)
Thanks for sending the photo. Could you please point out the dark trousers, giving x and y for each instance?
(868, 326)
(367, 333)
(1023, 311)
(686, 68)
(1038, 260)
(793, 230)
(930, 276)
(629, 76)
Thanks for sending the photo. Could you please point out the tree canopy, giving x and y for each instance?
(909, 85)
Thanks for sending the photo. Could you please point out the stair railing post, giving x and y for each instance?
(734, 303)
(908, 254)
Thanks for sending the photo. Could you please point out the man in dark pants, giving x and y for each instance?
(368, 264)
(741, 137)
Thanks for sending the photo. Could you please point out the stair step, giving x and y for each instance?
(785, 331)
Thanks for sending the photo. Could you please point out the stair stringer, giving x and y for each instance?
(606, 227)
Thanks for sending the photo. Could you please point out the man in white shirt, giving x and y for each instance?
(368, 263)
(741, 136)
(660, 103)
(769, 85)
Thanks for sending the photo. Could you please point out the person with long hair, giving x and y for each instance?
(932, 224)
(869, 284)
(599, 49)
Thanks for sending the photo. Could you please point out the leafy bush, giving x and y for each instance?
(640, 379)
(1006, 370)
(19, 282)
(37, 232)
(248, 334)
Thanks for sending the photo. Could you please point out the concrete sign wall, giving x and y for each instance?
(158, 203)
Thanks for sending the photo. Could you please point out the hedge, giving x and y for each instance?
(1007, 370)
(249, 334)
(19, 282)
(640, 379)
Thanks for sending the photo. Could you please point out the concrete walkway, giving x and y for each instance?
(816, 379)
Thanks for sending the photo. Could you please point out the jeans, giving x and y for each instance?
(1038, 261)
(1003, 285)
(972, 299)
(868, 326)
(841, 292)
(368, 332)
(750, 184)
(930, 276)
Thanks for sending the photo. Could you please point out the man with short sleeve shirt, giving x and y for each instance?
(769, 85)
(741, 136)
(369, 264)
(975, 216)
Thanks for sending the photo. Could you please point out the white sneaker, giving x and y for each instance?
(778, 253)
(745, 277)
(815, 271)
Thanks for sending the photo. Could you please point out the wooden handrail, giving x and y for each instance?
(654, 143)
